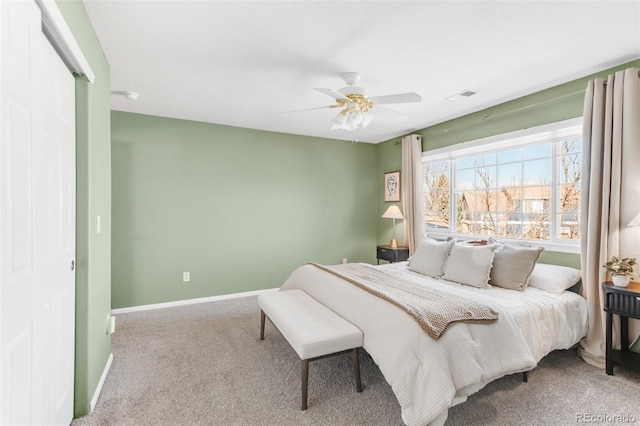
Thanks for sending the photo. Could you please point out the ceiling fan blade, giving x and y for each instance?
(396, 99)
(307, 109)
(332, 93)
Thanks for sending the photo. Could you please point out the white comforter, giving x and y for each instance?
(426, 374)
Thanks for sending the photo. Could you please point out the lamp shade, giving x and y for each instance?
(393, 212)
(635, 221)
(353, 119)
(339, 121)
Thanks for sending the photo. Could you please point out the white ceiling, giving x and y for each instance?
(242, 63)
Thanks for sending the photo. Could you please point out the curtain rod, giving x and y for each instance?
(487, 118)
(605, 82)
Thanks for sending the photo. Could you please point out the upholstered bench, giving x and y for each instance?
(313, 330)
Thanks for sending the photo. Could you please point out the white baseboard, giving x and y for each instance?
(96, 394)
(190, 301)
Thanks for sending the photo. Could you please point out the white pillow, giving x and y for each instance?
(512, 266)
(553, 278)
(470, 265)
(430, 257)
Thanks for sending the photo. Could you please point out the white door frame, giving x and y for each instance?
(59, 34)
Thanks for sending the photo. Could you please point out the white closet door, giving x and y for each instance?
(37, 224)
(57, 232)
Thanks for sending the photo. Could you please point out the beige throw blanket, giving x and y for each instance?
(433, 311)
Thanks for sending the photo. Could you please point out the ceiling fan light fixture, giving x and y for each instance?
(350, 120)
(339, 121)
(353, 120)
(355, 104)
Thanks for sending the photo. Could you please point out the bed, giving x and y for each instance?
(427, 375)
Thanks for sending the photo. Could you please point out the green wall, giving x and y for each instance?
(548, 106)
(239, 209)
(93, 198)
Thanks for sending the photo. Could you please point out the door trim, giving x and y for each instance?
(55, 28)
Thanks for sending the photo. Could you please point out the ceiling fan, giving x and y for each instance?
(355, 105)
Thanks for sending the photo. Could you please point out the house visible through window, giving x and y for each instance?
(520, 187)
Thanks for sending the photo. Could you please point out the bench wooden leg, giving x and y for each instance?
(525, 376)
(262, 324)
(356, 369)
(305, 382)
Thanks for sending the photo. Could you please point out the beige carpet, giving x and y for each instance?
(205, 365)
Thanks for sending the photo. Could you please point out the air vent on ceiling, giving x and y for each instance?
(462, 95)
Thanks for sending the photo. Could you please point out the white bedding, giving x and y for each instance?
(426, 375)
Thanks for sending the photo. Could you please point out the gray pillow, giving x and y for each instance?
(513, 265)
(470, 265)
(430, 257)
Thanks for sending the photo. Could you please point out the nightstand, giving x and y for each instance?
(385, 252)
(625, 302)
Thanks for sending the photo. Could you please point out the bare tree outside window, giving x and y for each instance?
(437, 192)
(570, 177)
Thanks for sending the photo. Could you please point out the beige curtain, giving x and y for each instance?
(412, 197)
(610, 193)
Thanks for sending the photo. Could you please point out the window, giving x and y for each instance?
(520, 186)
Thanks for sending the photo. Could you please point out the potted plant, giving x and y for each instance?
(621, 270)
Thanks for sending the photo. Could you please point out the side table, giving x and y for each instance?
(386, 252)
(625, 302)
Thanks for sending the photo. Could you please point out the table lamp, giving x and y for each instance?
(393, 212)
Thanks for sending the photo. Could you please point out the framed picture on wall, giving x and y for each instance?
(392, 187)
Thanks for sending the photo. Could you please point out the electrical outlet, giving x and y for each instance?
(186, 277)
(344, 260)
